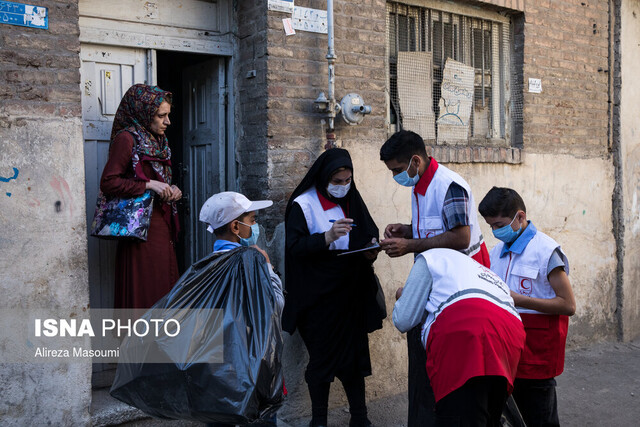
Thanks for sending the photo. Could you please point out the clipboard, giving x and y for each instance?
(367, 248)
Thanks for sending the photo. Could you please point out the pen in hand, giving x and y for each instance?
(333, 220)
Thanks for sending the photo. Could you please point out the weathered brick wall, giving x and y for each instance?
(297, 73)
(566, 45)
(40, 69)
(251, 145)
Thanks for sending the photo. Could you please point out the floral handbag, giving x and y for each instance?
(120, 218)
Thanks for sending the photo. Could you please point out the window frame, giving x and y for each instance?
(466, 18)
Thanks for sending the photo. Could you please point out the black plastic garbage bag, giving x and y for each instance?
(236, 381)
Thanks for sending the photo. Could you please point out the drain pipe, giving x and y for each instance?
(333, 107)
(331, 58)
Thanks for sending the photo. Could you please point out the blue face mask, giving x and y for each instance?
(404, 179)
(506, 233)
(253, 239)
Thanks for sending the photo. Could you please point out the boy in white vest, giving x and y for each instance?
(536, 270)
(443, 216)
(472, 335)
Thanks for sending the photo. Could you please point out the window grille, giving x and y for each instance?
(448, 74)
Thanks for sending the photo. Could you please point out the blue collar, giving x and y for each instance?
(224, 245)
(521, 242)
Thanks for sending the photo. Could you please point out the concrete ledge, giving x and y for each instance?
(475, 154)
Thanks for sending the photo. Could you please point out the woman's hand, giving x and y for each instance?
(162, 189)
(176, 194)
(372, 255)
(340, 228)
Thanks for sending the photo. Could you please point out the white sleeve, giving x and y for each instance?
(277, 289)
(410, 308)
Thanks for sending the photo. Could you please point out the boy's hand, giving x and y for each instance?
(395, 247)
(517, 298)
(263, 252)
(398, 293)
(397, 230)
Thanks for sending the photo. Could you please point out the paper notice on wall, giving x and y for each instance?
(281, 5)
(288, 28)
(415, 93)
(535, 85)
(312, 20)
(456, 101)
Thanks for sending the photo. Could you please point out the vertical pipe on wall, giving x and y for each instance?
(331, 58)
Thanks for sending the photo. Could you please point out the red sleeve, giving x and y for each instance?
(116, 177)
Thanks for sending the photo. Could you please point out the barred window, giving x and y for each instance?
(449, 74)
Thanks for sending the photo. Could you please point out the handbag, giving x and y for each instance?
(122, 218)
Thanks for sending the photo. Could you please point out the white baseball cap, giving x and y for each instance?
(222, 208)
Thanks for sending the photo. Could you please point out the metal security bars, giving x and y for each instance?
(448, 74)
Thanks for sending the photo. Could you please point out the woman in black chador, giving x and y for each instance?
(331, 299)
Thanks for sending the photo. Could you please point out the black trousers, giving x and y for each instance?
(479, 402)
(421, 399)
(354, 388)
(537, 401)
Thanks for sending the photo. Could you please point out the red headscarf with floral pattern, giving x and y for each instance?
(135, 114)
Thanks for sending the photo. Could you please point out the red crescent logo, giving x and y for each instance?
(525, 286)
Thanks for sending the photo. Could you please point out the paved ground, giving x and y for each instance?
(599, 387)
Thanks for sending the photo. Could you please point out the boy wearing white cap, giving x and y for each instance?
(232, 218)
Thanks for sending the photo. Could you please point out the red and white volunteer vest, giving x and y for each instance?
(456, 279)
(319, 219)
(427, 210)
(526, 274)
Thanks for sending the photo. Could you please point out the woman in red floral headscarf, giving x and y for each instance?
(139, 160)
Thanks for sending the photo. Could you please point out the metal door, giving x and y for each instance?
(106, 74)
(204, 148)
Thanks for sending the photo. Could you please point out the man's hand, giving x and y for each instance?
(398, 230)
(395, 247)
(263, 252)
(398, 293)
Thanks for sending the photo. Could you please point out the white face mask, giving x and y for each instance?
(338, 191)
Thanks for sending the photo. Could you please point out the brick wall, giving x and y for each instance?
(251, 143)
(566, 45)
(40, 69)
(297, 73)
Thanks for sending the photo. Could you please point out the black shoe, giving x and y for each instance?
(311, 424)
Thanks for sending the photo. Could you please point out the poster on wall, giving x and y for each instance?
(456, 100)
(281, 5)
